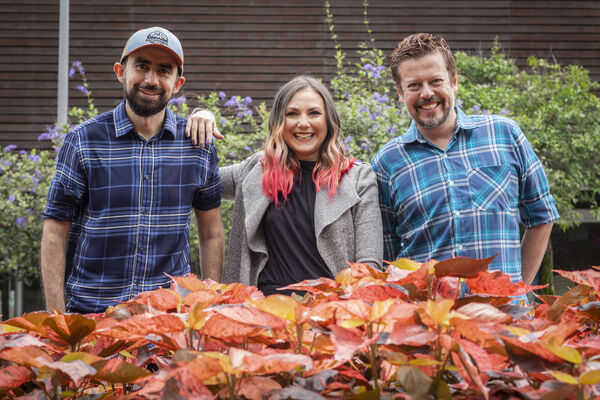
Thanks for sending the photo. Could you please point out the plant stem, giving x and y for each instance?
(373, 358)
(299, 338)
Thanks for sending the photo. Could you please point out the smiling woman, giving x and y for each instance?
(285, 228)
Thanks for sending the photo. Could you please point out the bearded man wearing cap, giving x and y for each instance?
(118, 213)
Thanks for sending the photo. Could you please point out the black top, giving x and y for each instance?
(290, 235)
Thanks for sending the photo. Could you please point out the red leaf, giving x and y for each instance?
(116, 370)
(373, 293)
(222, 327)
(29, 356)
(472, 331)
(417, 277)
(31, 322)
(348, 341)
(485, 360)
(141, 325)
(499, 284)
(251, 316)
(271, 363)
(206, 296)
(71, 328)
(469, 372)
(316, 286)
(462, 267)
(402, 312)
(411, 335)
(515, 346)
(589, 277)
(484, 312)
(257, 387)
(76, 370)
(340, 311)
(184, 384)
(159, 299)
(360, 270)
(448, 288)
(352, 374)
(14, 376)
(238, 293)
(190, 282)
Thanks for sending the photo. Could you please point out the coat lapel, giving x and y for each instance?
(327, 210)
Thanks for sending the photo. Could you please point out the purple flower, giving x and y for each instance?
(365, 146)
(362, 109)
(476, 108)
(223, 121)
(391, 129)
(35, 182)
(177, 100)
(459, 103)
(247, 148)
(22, 152)
(11, 198)
(485, 112)
(21, 221)
(232, 102)
(504, 112)
(35, 158)
(6, 163)
(10, 147)
(77, 65)
(232, 154)
(348, 139)
(368, 67)
(71, 72)
(380, 98)
(44, 136)
(82, 89)
(247, 100)
(222, 95)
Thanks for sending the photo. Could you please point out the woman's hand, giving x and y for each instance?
(202, 127)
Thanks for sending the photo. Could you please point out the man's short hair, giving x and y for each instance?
(420, 45)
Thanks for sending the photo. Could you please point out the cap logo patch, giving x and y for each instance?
(157, 37)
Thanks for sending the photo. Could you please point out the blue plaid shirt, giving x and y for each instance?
(129, 201)
(465, 201)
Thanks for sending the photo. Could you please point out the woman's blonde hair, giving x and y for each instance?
(279, 162)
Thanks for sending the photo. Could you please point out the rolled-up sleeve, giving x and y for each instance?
(209, 195)
(68, 188)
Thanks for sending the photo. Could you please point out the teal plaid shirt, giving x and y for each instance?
(465, 201)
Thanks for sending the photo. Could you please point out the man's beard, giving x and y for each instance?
(433, 122)
(142, 107)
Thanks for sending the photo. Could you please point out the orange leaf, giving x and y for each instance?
(485, 360)
(499, 284)
(14, 376)
(238, 293)
(340, 311)
(184, 384)
(269, 363)
(472, 331)
(189, 282)
(282, 306)
(448, 288)
(141, 325)
(461, 267)
(518, 348)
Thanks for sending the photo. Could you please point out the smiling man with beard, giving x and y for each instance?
(457, 185)
(118, 213)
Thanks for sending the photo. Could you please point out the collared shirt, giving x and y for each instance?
(464, 201)
(129, 200)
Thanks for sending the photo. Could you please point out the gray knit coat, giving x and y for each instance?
(347, 227)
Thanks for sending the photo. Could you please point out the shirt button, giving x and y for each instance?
(457, 213)
(459, 247)
(142, 248)
(451, 183)
(444, 155)
(147, 177)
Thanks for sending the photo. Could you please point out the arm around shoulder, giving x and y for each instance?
(53, 262)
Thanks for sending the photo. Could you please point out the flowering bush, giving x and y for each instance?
(399, 334)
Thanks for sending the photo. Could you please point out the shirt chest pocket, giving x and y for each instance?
(494, 188)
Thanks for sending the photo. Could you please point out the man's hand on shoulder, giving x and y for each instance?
(202, 127)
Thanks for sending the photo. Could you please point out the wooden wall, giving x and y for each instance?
(249, 48)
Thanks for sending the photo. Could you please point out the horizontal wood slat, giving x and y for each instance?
(250, 48)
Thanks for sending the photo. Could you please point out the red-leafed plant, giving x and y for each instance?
(405, 333)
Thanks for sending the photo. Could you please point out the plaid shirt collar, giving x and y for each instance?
(123, 124)
(413, 134)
